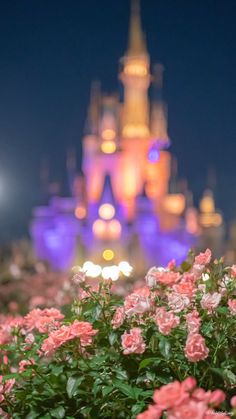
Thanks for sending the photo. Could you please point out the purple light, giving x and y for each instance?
(153, 154)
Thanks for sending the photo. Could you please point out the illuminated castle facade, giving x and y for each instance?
(125, 204)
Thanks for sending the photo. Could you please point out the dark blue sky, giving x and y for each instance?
(50, 50)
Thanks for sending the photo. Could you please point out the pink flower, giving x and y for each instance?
(233, 270)
(233, 401)
(170, 395)
(153, 412)
(203, 258)
(188, 410)
(195, 348)
(133, 342)
(201, 395)
(232, 305)
(24, 363)
(172, 264)
(167, 277)
(118, 318)
(185, 287)
(210, 302)
(136, 304)
(189, 384)
(42, 320)
(151, 277)
(166, 320)
(82, 330)
(178, 302)
(30, 339)
(193, 322)
(217, 397)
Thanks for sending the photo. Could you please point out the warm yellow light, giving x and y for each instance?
(174, 204)
(106, 211)
(139, 130)
(207, 204)
(108, 254)
(99, 228)
(114, 229)
(136, 69)
(80, 212)
(108, 134)
(211, 219)
(108, 147)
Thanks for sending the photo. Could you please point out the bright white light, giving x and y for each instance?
(87, 265)
(114, 273)
(106, 272)
(125, 268)
(94, 271)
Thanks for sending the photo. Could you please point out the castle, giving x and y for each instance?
(126, 205)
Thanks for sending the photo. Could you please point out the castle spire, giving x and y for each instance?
(136, 37)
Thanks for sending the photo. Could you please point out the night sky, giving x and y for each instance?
(51, 50)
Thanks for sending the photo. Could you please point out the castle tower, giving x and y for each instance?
(136, 80)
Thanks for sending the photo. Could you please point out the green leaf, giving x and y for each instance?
(164, 346)
(127, 390)
(72, 385)
(58, 413)
(107, 390)
(147, 361)
(229, 376)
(112, 338)
(153, 344)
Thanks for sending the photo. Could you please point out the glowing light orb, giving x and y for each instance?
(108, 134)
(99, 228)
(108, 147)
(125, 268)
(80, 212)
(114, 229)
(106, 211)
(108, 254)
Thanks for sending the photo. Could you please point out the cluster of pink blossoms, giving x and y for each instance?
(185, 401)
(7, 324)
(42, 320)
(82, 330)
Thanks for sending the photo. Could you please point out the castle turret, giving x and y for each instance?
(136, 79)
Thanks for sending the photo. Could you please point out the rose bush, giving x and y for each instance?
(107, 357)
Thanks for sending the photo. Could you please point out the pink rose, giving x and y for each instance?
(233, 401)
(193, 322)
(188, 410)
(210, 302)
(170, 395)
(203, 258)
(178, 302)
(172, 264)
(166, 320)
(217, 397)
(136, 304)
(118, 318)
(132, 342)
(232, 305)
(24, 363)
(233, 270)
(185, 287)
(82, 330)
(168, 277)
(153, 412)
(189, 384)
(195, 348)
(201, 395)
